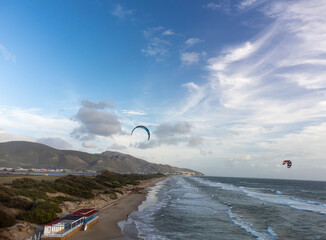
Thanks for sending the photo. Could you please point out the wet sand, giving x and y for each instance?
(107, 227)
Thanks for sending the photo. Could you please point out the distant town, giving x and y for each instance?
(62, 172)
(44, 171)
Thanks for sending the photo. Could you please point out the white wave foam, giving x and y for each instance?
(277, 198)
(287, 200)
(142, 220)
(272, 233)
(224, 186)
(248, 227)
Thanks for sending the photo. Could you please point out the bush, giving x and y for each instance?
(25, 183)
(42, 212)
(38, 216)
(5, 193)
(33, 194)
(20, 202)
(47, 206)
(6, 220)
(60, 199)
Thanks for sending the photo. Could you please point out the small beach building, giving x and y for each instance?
(64, 227)
(55, 226)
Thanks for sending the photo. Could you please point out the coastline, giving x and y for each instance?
(107, 227)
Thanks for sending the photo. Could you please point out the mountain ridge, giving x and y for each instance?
(24, 154)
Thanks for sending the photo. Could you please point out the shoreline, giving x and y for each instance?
(107, 227)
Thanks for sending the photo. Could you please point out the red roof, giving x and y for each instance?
(54, 222)
(85, 212)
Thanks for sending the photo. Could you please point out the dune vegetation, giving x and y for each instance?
(36, 206)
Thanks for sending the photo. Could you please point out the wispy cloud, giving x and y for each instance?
(32, 120)
(168, 32)
(132, 112)
(189, 58)
(6, 137)
(222, 5)
(35, 126)
(269, 86)
(121, 12)
(192, 41)
(6, 54)
(247, 3)
(158, 42)
(213, 5)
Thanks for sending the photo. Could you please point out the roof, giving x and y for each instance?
(72, 217)
(85, 212)
(54, 222)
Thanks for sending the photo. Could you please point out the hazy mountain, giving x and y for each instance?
(35, 155)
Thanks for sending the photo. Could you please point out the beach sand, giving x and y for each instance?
(107, 227)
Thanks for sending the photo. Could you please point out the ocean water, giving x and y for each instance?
(230, 208)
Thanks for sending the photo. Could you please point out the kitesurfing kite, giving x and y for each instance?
(288, 162)
(143, 127)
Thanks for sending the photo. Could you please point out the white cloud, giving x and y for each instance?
(121, 12)
(189, 58)
(6, 54)
(213, 5)
(267, 92)
(157, 42)
(34, 126)
(192, 41)
(116, 146)
(7, 137)
(88, 144)
(247, 3)
(232, 55)
(95, 121)
(132, 112)
(168, 32)
(32, 120)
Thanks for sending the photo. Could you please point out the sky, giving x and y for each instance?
(227, 88)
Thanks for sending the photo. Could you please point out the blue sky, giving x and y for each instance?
(229, 88)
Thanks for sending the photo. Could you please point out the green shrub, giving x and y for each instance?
(6, 220)
(19, 202)
(6, 193)
(38, 216)
(42, 212)
(29, 183)
(60, 199)
(32, 194)
(47, 206)
(25, 183)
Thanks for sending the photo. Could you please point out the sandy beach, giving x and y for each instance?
(107, 227)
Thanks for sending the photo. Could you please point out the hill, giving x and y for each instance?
(35, 155)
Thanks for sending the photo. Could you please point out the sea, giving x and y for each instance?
(184, 208)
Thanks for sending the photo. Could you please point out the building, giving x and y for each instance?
(64, 227)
